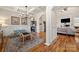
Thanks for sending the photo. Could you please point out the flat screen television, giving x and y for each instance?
(65, 20)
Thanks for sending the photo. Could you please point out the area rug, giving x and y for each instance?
(14, 45)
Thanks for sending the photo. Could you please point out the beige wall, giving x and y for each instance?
(5, 16)
(72, 13)
(40, 17)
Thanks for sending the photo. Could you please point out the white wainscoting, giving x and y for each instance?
(10, 29)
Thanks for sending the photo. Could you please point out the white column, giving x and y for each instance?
(37, 26)
(38, 21)
(50, 26)
(38, 30)
(29, 24)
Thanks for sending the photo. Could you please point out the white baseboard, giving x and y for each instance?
(47, 44)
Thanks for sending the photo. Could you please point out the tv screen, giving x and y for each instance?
(66, 20)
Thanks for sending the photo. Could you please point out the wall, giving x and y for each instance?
(54, 25)
(5, 15)
(40, 19)
(51, 28)
(71, 13)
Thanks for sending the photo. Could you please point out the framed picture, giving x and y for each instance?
(15, 20)
(24, 21)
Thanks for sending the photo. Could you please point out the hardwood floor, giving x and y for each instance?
(8, 41)
(42, 35)
(64, 43)
(5, 42)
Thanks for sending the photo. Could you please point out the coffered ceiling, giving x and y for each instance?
(35, 9)
(7, 11)
(23, 9)
(14, 8)
(65, 8)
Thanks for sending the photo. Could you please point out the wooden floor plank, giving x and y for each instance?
(64, 43)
